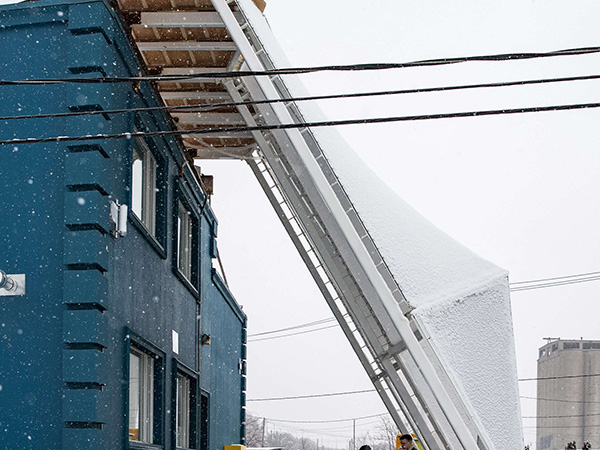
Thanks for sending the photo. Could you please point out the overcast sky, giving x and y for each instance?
(519, 190)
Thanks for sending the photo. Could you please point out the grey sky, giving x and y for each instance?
(518, 190)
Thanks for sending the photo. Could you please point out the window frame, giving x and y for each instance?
(192, 283)
(139, 345)
(180, 369)
(156, 233)
(185, 238)
(204, 422)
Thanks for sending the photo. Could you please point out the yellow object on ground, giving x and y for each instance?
(235, 447)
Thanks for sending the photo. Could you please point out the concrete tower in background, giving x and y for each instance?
(568, 406)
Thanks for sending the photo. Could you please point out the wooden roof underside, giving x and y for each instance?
(181, 37)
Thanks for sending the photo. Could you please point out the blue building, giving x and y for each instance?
(125, 337)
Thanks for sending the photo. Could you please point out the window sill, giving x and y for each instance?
(134, 445)
(190, 287)
(148, 236)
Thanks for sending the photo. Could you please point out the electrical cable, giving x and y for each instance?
(328, 421)
(561, 417)
(561, 426)
(305, 70)
(552, 282)
(204, 107)
(557, 400)
(561, 377)
(555, 278)
(286, 126)
(303, 325)
(374, 390)
(568, 279)
(333, 394)
(293, 334)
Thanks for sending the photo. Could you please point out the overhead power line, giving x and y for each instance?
(328, 421)
(294, 327)
(561, 417)
(286, 126)
(293, 334)
(561, 377)
(553, 282)
(332, 394)
(304, 70)
(209, 106)
(562, 426)
(514, 286)
(556, 400)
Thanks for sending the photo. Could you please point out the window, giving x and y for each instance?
(570, 345)
(185, 242)
(204, 420)
(141, 396)
(183, 417)
(144, 173)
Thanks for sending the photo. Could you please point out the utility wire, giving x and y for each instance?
(561, 377)
(514, 286)
(560, 426)
(556, 281)
(554, 278)
(293, 334)
(557, 400)
(204, 107)
(303, 325)
(286, 126)
(304, 70)
(385, 414)
(374, 390)
(332, 394)
(561, 417)
(328, 421)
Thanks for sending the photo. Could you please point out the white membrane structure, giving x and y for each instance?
(429, 320)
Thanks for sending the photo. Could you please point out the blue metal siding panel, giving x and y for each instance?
(88, 326)
(87, 209)
(88, 169)
(126, 278)
(78, 439)
(84, 405)
(221, 374)
(85, 286)
(31, 231)
(91, 18)
(90, 53)
(86, 248)
(85, 366)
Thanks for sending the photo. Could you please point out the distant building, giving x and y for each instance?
(568, 409)
(120, 341)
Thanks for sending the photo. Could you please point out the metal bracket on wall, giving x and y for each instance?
(11, 285)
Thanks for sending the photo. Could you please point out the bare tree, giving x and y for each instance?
(385, 435)
(254, 430)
